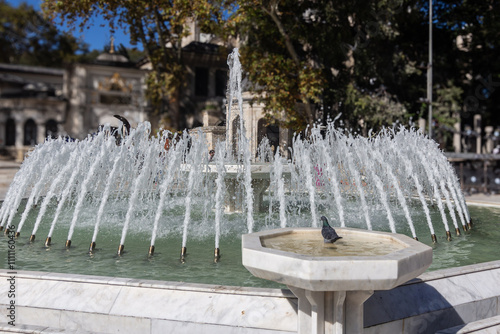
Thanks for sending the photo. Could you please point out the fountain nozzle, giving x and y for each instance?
(465, 228)
(68, 243)
(216, 255)
(120, 249)
(17, 234)
(1, 228)
(6, 231)
(415, 238)
(457, 230)
(448, 235)
(469, 224)
(183, 253)
(92, 246)
(47, 241)
(151, 250)
(32, 238)
(434, 239)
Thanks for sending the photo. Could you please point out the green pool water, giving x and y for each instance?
(475, 246)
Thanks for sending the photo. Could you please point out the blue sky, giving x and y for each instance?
(96, 36)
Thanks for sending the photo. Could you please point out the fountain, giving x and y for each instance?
(330, 280)
(393, 172)
(141, 193)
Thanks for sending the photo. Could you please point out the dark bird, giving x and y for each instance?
(328, 232)
(125, 122)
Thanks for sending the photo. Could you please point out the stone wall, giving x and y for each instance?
(434, 301)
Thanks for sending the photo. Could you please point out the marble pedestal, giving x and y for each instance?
(332, 289)
(260, 174)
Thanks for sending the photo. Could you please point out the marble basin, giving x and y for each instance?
(361, 260)
(332, 281)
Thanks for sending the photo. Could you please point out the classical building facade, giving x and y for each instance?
(37, 102)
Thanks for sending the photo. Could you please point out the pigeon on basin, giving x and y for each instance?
(328, 232)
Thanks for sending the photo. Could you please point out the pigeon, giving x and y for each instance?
(328, 232)
(124, 121)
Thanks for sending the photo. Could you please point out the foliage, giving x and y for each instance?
(27, 38)
(374, 111)
(313, 53)
(352, 51)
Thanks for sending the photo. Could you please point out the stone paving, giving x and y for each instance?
(8, 169)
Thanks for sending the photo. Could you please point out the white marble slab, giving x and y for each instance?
(433, 302)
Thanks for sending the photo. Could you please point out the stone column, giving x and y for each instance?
(19, 140)
(457, 137)
(332, 312)
(205, 117)
(421, 125)
(488, 147)
(477, 130)
(40, 132)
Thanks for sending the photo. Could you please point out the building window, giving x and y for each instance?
(51, 129)
(10, 132)
(220, 82)
(201, 81)
(29, 133)
(114, 99)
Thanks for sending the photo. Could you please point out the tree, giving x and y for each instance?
(159, 26)
(27, 38)
(476, 28)
(316, 59)
(368, 60)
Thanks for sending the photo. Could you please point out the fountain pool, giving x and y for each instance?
(476, 246)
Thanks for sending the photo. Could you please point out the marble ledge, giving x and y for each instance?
(457, 271)
(132, 282)
(484, 326)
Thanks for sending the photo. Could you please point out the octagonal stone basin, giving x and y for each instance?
(361, 260)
